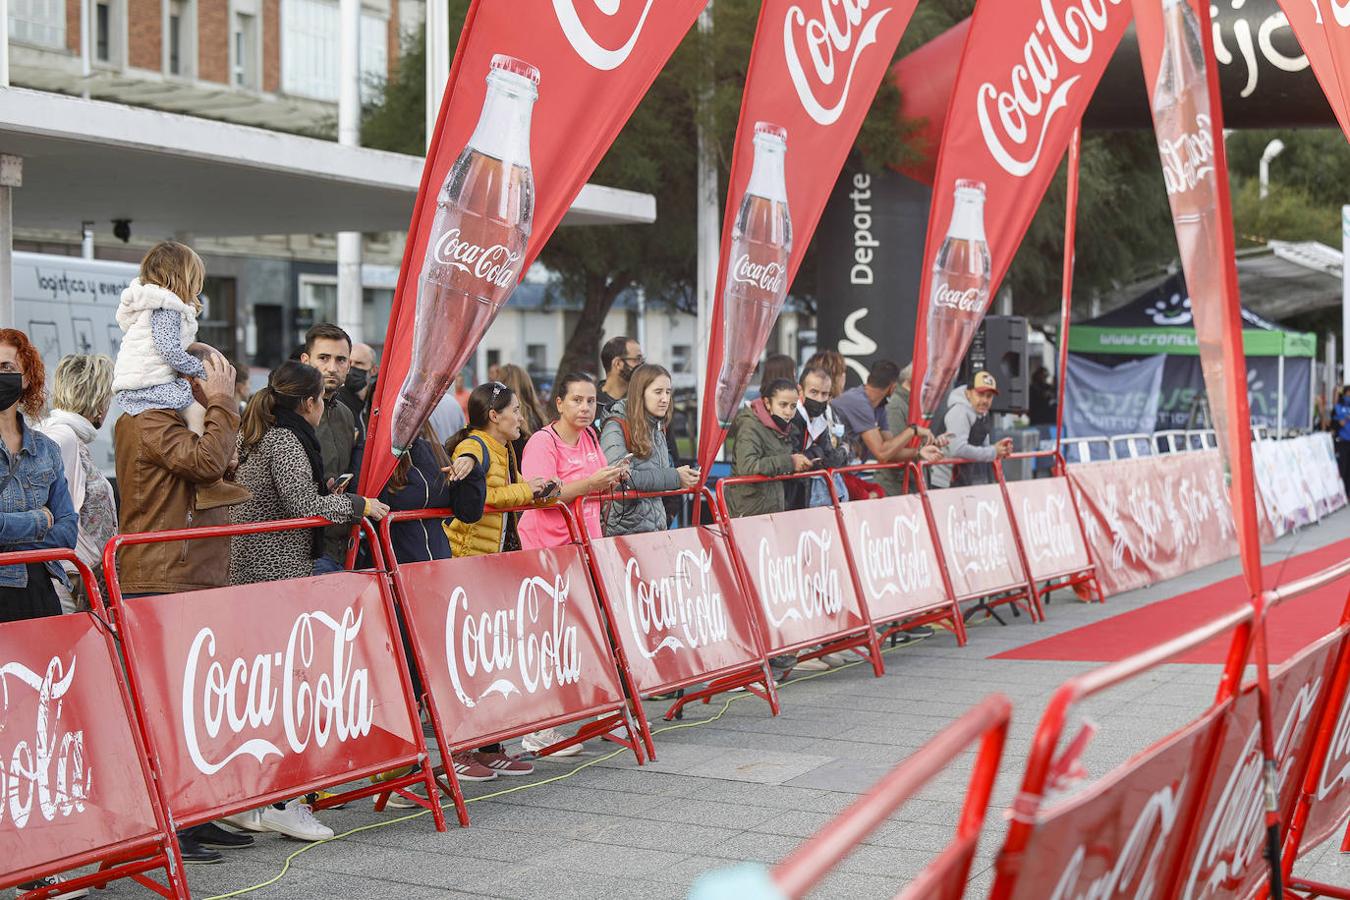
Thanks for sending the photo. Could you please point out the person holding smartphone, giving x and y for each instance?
(566, 457)
(635, 434)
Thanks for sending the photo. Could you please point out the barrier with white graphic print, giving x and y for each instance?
(801, 575)
(1049, 529)
(891, 542)
(679, 613)
(1298, 481)
(78, 789)
(974, 534)
(255, 694)
(507, 644)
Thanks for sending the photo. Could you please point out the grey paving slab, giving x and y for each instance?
(737, 785)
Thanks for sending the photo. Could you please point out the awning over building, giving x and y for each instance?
(174, 174)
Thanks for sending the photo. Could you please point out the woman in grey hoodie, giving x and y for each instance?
(637, 428)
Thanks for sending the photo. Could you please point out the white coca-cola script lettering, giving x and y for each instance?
(1336, 769)
(240, 695)
(896, 563)
(801, 583)
(1048, 531)
(1134, 872)
(767, 277)
(1015, 118)
(495, 265)
(683, 609)
(840, 29)
(597, 56)
(977, 541)
(970, 300)
(1188, 159)
(45, 764)
(531, 640)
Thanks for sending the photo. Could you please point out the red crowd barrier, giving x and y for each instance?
(78, 789)
(679, 614)
(802, 575)
(896, 558)
(945, 877)
(508, 644)
(983, 556)
(264, 692)
(1049, 529)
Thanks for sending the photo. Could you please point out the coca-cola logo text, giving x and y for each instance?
(1340, 10)
(768, 277)
(241, 695)
(969, 300)
(977, 541)
(1048, 530)
(895, 563)
(1188, 158)
(834, 42)
(45, 764)
(1134, 872)
(1336, 769)
(596, 55)
(495, 265)
(684, 609)
(532, 640)
(1015, 118)
(801, 583)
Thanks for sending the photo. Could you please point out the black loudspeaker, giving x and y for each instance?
(1000, 348)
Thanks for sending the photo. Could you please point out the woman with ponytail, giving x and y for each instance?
(281, 463)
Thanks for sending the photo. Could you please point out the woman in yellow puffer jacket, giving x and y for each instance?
(494, 422)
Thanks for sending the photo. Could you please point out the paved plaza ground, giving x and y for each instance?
(733, 783)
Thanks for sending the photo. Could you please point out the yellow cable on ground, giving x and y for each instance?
(726, 705)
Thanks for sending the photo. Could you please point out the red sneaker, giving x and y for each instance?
(501, 764)
(467, 768)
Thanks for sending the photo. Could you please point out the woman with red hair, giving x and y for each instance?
(35, 508)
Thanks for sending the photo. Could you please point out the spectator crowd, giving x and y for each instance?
(192, 449)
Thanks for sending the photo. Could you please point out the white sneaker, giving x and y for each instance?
(248, 820)
(296, 821)
(812, 665)
(836, 660)
(49, 881)
(533, 743)
(398, 801)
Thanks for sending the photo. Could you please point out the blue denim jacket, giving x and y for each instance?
(34, 480)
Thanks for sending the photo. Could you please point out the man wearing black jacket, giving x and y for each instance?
(813, 433)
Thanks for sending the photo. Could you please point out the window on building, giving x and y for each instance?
(375, 306)
(681, 358)
(536, 356)
(318, 301)
(311, 51)
(374, 56)
(245, 50)
(40, 22)
(174, 37)
(103, 32)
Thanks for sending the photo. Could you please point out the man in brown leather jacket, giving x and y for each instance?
(161, 464)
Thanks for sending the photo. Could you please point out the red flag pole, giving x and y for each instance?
(1066, 296)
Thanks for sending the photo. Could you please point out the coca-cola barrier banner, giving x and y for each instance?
(1225, 858)
(1323, 31)
(257, 692)
(1043, 511)
(676, 606)
(1176, 45)
(537, 92)
(71, 780)
(1027, 72)
(796, 563)
(510, 639)
(1155, 517)
(814, 69)
(1331, 784)
(977, 540)
(897, 562)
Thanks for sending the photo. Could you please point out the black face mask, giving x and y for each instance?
(356, 379)
(815, 408)
(11, 389)
(626, 372)
(780, 422)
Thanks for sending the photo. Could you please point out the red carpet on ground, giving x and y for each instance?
(1290, 627)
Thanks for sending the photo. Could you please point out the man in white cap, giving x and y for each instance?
(969, 424)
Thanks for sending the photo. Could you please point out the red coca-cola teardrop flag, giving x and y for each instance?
(814, 68)
(1175, 42)
(1323, 30)
(1027, 73)
(538, 91)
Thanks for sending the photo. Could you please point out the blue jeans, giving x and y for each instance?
(324, 565)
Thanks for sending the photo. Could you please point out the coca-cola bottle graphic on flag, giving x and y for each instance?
(756, 281)
(1181, 120)
(960, 294)
(473, 258)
